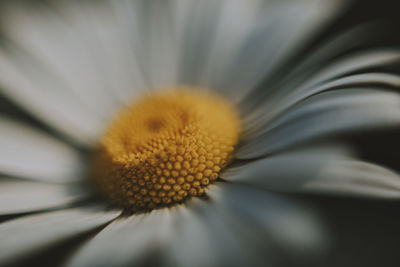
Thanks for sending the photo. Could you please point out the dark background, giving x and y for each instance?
(367, 232)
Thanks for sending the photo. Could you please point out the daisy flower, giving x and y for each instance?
(173, 130)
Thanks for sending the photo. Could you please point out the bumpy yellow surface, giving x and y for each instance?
(165, 148)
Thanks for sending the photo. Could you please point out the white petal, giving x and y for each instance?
(241, 226)
(354, 62)
(324, 169)
(72, 67)
(194, 25)
(277, 31)
(126, 241)
(29, 153)
(337, 48)
(293, 228)
(341, 48)
(159, 44)
(234, 24)
(283, 101)
(197, 241)
(327, 114)
(30, 234)
(109, 37)
(268, 101)
(19, 196)
(34, 89)
(355, 177)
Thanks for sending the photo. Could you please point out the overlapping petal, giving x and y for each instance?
(21, 196)
(326, 115)
(128, 241)
(333, 169)
(31, 234)
(32, 154)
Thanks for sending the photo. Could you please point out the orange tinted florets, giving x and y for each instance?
(166, 148)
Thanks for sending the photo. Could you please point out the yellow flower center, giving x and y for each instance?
(166, 148)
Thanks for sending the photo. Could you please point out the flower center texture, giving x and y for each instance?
(166, 148)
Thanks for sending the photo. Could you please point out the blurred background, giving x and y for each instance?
(364, 232)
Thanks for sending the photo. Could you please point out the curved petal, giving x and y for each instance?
(68, 63)
(321, 169)
(136, 237)
(291, 227)
(327, 114)
(31, 154)
(281, 96)
(234, 24)
(242, 226)
(31, 234)
(19, 196)
(159, 53)
(230, 45)
(203, 239)
(217, 232)
(347, 45)
(353, 63)
(255, 123)
(37, 92)
(193, 239)
(275, 30)
(194, 25)
(109, 36)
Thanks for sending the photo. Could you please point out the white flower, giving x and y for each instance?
(73, 64)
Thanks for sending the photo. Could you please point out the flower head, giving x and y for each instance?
(166, 148)
(190, 118)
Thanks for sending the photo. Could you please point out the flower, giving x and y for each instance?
(73, 64)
